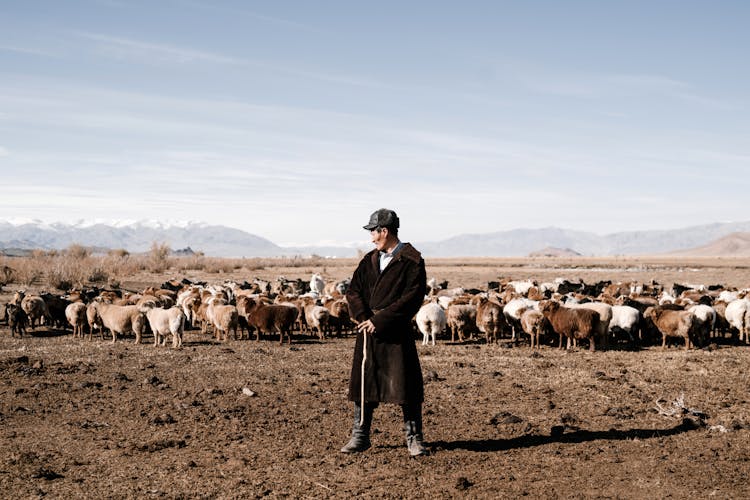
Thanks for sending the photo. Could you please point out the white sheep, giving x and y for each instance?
(165, 322)
(705, 316)
(317, 284)
(431, 321)
(627, 319)
(736, 314)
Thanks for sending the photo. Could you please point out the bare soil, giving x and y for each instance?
(245, 419)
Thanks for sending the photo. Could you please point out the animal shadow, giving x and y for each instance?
(558, 436)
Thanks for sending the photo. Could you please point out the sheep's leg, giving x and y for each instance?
(663, 341)
(592, 347)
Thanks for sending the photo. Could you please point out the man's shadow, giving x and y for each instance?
(559, 436)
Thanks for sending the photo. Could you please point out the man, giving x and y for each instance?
(386, 291)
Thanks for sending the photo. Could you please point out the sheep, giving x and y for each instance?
(223, 317)
(534, 324)
(490, 319)
(512, 312)
(267, 318)
(461, 319)
(165, 322)
(736, 316)
(317, 285)
(56, 306)
(605, 316)
(520, 287)
(35, 308)
(627, 319)
(317, 317)
(75, 313)
(18, 297)
(672, 324)
(339, 315)
(337, 288)
(121, 319)
(94, 321)
(705, 317)
(431, 321)
(17, 319)
(573, 323)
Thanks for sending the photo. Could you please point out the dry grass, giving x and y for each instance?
(77, 267)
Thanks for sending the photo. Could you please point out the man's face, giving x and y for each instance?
(379, 237)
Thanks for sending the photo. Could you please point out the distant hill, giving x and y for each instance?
(554, 252)
(222, 241)
(520, 242)
(731, 245)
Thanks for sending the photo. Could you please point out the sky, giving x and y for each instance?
(294, 120)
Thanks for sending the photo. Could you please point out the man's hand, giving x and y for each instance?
(366, 327)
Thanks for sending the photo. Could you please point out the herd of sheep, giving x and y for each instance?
(599, 314)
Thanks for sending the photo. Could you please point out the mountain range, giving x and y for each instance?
(727, 239)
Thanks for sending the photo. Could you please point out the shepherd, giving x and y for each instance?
(386, 291)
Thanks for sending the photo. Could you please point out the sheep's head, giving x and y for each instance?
(547, 306)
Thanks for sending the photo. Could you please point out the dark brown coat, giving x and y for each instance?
(390, 299)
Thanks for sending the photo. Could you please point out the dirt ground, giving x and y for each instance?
(246, 419)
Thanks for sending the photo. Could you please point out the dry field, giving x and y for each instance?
(89, 419)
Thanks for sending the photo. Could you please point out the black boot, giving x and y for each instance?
(360, 439)
(413, 428)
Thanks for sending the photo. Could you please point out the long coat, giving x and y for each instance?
(390, 299)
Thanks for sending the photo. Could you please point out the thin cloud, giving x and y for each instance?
(27, 51)
(124, 47)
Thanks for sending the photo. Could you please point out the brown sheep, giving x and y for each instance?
(267, 318)
(339, 315)
(490, 319)
(461, 319)
(573, 323)
(672, 324)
